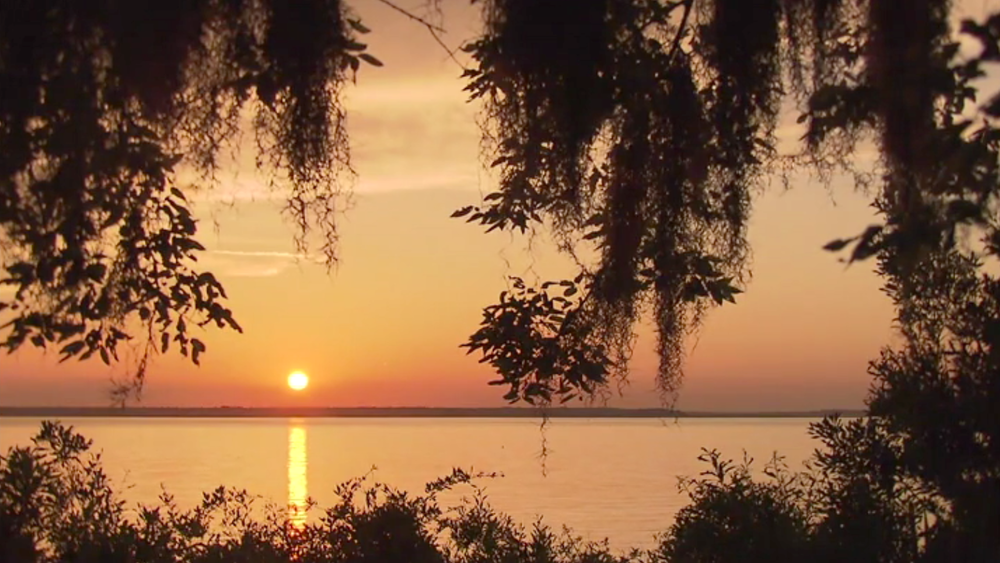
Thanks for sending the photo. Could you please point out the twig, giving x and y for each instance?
(433, 29)
(413, 16)
(688, 4)
(451, 53)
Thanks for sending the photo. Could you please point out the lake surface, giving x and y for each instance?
(614, 478)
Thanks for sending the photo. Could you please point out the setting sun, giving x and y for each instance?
(298, 380)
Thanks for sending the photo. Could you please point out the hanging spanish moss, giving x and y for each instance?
(634, 172)
(550, 62)
(657, 165)
(101, 100)
(643, 127)
(901, 64)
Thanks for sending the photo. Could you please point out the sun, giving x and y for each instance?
(298, 380)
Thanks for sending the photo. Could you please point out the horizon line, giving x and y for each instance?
(229, 411)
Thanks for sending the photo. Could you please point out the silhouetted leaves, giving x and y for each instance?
(102, 101)
(839, 244)
(57, 504)
(462, 212)
(551, 79)
(643, 127)
(370, 59)
(539, 344)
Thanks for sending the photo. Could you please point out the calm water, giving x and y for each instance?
(614, 478)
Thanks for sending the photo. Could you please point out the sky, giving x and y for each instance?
(384, 327)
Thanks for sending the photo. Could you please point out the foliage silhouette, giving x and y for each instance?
(640, 126)
(917, 480)
(102, 101)
(57, 505)
(644, 127)
(855, 501)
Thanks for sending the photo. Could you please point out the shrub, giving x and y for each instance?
(57, 505)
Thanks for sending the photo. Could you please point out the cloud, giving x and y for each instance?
(267, 254)
(256, 263)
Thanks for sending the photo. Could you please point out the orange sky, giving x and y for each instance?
(384, 328)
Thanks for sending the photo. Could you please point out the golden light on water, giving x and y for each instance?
(298, 486)
(298, 380)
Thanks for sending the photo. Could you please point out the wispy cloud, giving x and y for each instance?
(269, 254)
(257, 263)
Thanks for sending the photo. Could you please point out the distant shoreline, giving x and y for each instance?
(399, 412)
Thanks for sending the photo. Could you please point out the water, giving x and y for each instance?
(614, 478)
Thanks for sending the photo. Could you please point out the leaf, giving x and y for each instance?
(164, 342)
(358, 26)
(838, 244)
(462, 212)
(71, 349)
(370, 59)
(866, 245)
(178, 194)
(197, 347)
(191, 244)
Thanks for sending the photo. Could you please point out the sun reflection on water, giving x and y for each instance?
(298, 490)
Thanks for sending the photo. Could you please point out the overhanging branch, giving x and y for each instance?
(434, 30)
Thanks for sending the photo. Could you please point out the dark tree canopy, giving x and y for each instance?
(646, 127)
(641, 127)
(101, 101)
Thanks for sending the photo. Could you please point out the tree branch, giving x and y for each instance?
(434, 30)
(413, 16)
(688, 5)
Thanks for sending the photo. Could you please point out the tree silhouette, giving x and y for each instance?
(101, 101)
(641, 126)
(918, 480)
(645, 127)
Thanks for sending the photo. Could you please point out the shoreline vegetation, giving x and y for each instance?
(57, 505)
(402, 412)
